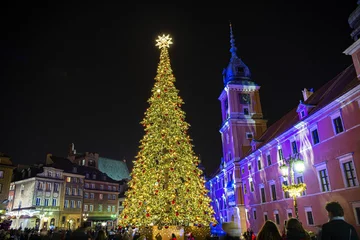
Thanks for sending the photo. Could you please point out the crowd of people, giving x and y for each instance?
(335, 229)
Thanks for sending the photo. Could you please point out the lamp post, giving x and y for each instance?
(291, 165)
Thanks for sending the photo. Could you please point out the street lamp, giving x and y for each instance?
(85, 216)
(295, 189)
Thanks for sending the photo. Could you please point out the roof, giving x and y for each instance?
(66, 165)
(330, 91)
(115, 169)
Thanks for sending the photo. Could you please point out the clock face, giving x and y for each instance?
(245, 98)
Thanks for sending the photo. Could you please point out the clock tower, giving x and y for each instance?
(242, 117)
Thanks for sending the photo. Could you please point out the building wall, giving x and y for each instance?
(24, 193)
(325, 154)
(5, 180)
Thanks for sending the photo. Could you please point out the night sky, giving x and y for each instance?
(83, 73)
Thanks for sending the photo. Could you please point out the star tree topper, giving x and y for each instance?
(163, 41)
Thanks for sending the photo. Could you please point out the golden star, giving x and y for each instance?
(163, 41)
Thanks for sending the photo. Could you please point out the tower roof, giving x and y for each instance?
(237, 69)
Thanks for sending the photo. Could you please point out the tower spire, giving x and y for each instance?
(232, 42)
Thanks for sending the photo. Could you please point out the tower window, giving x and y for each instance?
(246, 111)
(240, 69)
(249, 135)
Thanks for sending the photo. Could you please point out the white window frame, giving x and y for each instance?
(291, 146)
(252, 134)
(251, 181)
(267, 160)
(336, 115)
(319, 167)
(309, 209)
(261, 185)
(289, 210)
(272, 182)
(247, 214)
(276, 212)
(265, 214)
(296, 175)
(315, 127)
(245, 190)
(347, 158)
(254, 215)
(261, 164)
(278, 155)
(282, 179)
(354, 206)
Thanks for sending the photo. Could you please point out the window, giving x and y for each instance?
(91, 208)
(86, 185)
(38, 201)
(56, 187)
(259, 163)
(254, 214)
(249, 135)
(66, 204)
(249, 167)
(265, 216)
(54, 202)
(113, 208)
(79, 204)
(86, 208)
(338, 125)
(94, 176)
(247, 214)
(40, 186)
(356, 209)
(68, 191)
(309, 216)
(246, 111)
(323, 177)
(100, 208)
(294, 147)
(245, 189)
(286, 194)
(251, 185)
(302, 113)
(83, 162)
(74, 169)
(300, 179)
(113, 197)
(268, 157)
(1, 174)
(50, 174)
(262, 192)
(273, 190)
(100, 196)
(80, 192)
(280, 153)
(101, 187)
(109, 196)
(68, 179)
(87, 175)
(348, 170)
(315, 136)
(48, 187)
(277, 217)
(86, 195)
(289, 213)
(242, 170)
(72, 204)
(46, 202)
(92, 195)
(109, 208)
(74, 191)
(93, 185)
(58, 175)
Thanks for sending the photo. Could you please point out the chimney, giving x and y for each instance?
(307, 93)
(48, 159)
(354, 49)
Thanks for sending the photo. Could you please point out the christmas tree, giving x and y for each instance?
(166, 186)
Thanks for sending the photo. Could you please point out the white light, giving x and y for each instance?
(158, 90)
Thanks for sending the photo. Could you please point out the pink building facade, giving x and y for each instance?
(323, 131)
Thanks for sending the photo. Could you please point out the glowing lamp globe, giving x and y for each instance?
(284, 170)
(299, 166)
